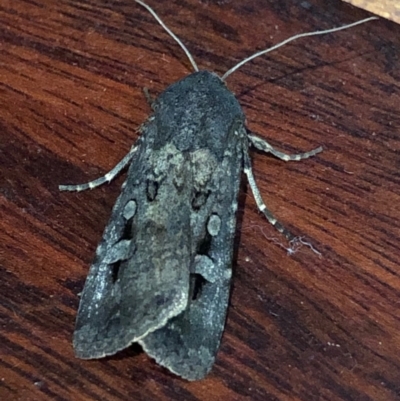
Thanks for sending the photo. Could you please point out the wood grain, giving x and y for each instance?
(300, 327)
(389, 9)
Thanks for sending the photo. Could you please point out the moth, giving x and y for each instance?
(162, 271)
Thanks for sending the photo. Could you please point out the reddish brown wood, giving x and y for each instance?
(300, 327)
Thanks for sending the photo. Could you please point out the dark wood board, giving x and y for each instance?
(389, 9)
(301, 326)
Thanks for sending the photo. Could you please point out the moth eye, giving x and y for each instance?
(152, 188)
(199, 199)
(213, 225)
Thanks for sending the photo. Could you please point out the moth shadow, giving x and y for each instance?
(132, 351)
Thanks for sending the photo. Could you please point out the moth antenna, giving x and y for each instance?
(153, 13)
(301, 35)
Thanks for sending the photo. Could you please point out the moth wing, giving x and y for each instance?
(188, 343)
(140, 277)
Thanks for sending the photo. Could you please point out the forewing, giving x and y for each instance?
(140, 277)
(188, 343)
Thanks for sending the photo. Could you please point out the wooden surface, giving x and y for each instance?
(389, 9)
(300, 327)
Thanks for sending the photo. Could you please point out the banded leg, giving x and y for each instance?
(263, 145)
(257, 196)
(106, 178)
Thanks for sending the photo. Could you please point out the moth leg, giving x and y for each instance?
(106, 178)
(260, 203)
(262, 144)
